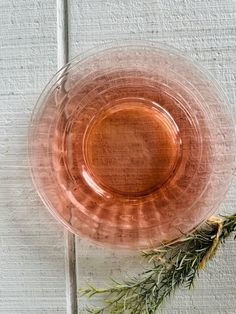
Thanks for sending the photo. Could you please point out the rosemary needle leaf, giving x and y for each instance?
(170, 267)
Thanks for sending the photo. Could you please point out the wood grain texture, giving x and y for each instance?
(32, 267)
(205, 30)
(32, 264)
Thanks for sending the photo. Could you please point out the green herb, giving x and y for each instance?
(172, 266)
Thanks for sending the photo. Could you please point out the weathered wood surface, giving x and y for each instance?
(32, 244)
(32, 276)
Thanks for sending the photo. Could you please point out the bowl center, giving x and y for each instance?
(132, 148)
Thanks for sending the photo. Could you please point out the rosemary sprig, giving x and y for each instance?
(172, 266)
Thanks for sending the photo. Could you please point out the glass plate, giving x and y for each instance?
(132, 145)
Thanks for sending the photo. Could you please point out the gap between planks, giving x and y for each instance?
(69, 238)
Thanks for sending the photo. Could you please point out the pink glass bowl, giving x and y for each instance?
(132, 146)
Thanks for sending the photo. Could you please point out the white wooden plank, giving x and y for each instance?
(205, 30)
(32, 266)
